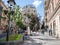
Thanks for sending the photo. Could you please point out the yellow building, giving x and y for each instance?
(52, 16)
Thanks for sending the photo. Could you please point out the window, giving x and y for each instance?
(46, 14)
(26, 6)
(54, 25)
(28, 10)
(51, 26)
(53, 4)
(49, 9)
(31, 13)
(1, 10)
(34, 10)
(45, 2)
(59, 19)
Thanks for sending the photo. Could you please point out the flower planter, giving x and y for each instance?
(17, 42)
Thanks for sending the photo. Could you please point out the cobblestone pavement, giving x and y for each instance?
(36, 40)
(56, 42)
(41, 42)
(30, 42)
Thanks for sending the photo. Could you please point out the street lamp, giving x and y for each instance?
(11, 4)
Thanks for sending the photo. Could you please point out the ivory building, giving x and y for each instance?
(52, 16)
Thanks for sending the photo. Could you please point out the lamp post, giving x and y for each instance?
(11, 4)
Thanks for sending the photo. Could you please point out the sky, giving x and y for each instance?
(39, 4)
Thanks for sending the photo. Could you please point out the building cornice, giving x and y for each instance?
(57, 7)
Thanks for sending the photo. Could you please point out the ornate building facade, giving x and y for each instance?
(3, 16)
(52, 16)
(29, 10)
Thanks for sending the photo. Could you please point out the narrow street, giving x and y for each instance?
(42, 40)
(29, 22)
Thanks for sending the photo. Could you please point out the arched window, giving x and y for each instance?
(59, 19)
(51, 26)
(54, 27)
(53, 5)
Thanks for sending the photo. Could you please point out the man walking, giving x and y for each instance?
(50, 32)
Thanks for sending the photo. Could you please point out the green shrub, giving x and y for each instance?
(12, 37)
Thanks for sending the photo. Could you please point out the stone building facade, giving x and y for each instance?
(29, 10)
(3, 21)
(52, 16)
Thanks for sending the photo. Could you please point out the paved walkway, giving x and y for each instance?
(41, 39)
(41, 42)
(30, 42)
(42, 36)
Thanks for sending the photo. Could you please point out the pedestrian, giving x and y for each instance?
(43, 31)
(50, 32)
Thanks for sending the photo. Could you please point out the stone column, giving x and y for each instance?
(28, 29)
(57, 27)
(52, 28)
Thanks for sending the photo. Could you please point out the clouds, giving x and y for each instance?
(36, 3)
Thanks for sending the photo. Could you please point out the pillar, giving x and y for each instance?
(28, 29)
